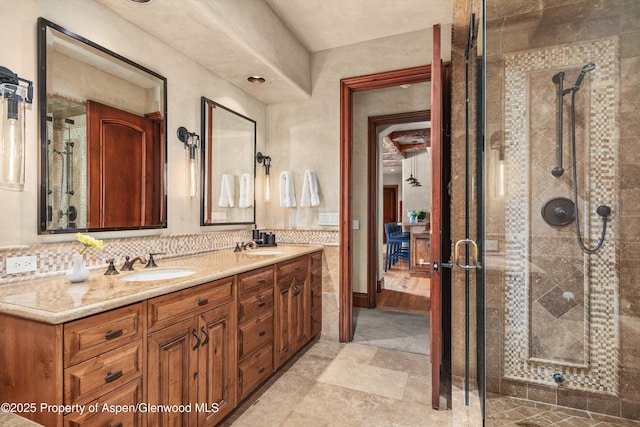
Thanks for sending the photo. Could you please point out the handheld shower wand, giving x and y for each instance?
(603, 211)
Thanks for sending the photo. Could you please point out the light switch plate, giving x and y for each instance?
(328, 218)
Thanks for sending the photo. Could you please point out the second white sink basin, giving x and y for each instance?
(160, 274)
(263, 252)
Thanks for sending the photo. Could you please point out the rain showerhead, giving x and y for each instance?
(587, 68)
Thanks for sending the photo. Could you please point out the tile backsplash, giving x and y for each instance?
(54, 259)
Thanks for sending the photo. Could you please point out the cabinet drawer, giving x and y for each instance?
(296, 267)
(253, 280)
(101, 374)
(199, 298)
(97, 334)
(127, 395)
(254, 370)
(316, 260)
(257, 304)
(255, 334)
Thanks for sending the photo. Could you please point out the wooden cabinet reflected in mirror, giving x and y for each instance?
(103, 137)
(228, 165)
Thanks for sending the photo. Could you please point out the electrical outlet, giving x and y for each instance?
(21, 264)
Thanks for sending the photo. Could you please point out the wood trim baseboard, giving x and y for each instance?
(361, 299)
(380, 285)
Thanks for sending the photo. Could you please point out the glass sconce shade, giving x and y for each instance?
(12, 129)
(191, 142)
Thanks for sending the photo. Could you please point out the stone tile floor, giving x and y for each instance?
(506, 411)
(335, 384)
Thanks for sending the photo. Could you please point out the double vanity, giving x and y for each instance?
(181, 344)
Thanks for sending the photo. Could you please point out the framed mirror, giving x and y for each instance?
(102, 137)
(228, 165)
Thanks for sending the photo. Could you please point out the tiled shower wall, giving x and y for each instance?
(594, 337)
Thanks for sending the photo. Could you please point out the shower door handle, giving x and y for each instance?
(474, 254)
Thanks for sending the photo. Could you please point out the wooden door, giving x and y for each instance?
(389, 206)
(438, 213)
(217, 367)
(172, 373)
(123, 180)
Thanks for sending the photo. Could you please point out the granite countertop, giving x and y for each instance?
(56, 300)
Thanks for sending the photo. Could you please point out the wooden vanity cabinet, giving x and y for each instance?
(99, 358)
(207, 347)
(292, 314)
(191, 355)
(255, 329)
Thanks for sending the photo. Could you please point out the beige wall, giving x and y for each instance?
(187, 82)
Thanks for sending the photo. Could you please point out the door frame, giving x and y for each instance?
(372, 191)
(347, 87)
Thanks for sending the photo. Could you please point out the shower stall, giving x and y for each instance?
(551, 325)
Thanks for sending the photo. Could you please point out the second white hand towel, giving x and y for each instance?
(287, 191)
(310, 195)
(227, 191)
(244, 200)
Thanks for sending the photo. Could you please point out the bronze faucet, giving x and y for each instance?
(128, 264)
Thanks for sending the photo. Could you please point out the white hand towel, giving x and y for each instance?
(244, 201)
(227, 191)
(287, 192)
(310, 195)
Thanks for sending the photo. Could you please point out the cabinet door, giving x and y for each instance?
(217, 365)
(283, 349)
(173, 372)
(300, 318)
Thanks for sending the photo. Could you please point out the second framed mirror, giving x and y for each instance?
(228, 166)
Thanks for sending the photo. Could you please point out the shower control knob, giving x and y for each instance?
(560, 212)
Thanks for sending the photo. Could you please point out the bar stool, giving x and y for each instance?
(396, 248)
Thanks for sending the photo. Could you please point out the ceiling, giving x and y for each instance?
(327, 24)
(274, 38)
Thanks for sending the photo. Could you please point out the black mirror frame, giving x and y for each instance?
(204, 102)
(43, 24)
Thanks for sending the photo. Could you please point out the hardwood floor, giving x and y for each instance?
(402, 292)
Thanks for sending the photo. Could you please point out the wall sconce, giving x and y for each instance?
(191, 142)
(266, 161)
(14, 96)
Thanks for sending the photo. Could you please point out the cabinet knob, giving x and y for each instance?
(203, 301)
(261, 303)
(118, 424)
(261, 369)
(261, 333)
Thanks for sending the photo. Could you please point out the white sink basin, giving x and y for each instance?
(161, 274)
(263, 252)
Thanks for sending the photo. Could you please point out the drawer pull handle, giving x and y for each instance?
(203, 301)
(261, 369)
(261, 303)
(112, 376)
(195, 334)
(119, 424)
(261, 333)
(112, 333)
(206, 335)
(262, 281)
(296, 268)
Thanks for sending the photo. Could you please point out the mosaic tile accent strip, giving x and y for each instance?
(54, 259)
(599, 370)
